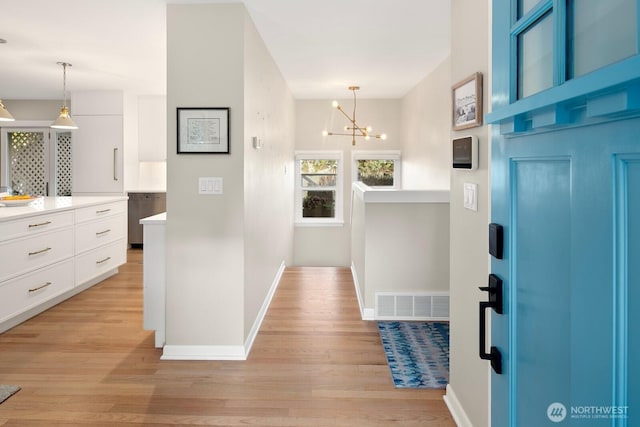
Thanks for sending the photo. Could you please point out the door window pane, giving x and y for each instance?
(525, 6)
(600, 33)
(535, 58)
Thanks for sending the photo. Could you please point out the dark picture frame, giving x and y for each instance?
(466, 102)
(203, 130)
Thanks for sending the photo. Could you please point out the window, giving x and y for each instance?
(376, 168)
(556, 41)
(319, 188)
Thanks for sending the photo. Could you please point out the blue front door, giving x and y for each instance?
(569, 202)
(566, 189)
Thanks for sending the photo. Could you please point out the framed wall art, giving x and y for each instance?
(203, 130)
(467, 102)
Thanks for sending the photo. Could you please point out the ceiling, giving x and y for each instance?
(321, 47)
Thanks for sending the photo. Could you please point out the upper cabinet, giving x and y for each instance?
(98, 143)
(152, 128)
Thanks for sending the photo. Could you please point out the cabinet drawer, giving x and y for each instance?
(98, 261)
(90, 235)
(30, 290)
(22, 255)
(100, 211)
(34, 225)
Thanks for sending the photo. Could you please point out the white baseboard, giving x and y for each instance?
(457, 411)
(225, 352)
(203, 352)
(263, 311)
(365, 313)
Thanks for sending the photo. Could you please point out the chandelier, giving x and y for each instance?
(354, 130)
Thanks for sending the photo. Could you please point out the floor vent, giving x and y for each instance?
(404, 306)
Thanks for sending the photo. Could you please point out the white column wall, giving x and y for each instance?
(269, 114)
(205, 234)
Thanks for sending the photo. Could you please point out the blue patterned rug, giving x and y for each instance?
(417, 353)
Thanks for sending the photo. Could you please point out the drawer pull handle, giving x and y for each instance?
(99, 233)
(40, 251)
(103, 260)
(40, 287)
(40, 224)
(102, 211)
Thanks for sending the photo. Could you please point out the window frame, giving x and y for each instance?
(395, 155)
(338, 219)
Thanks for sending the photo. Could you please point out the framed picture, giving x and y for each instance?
(467, 102)
(203, 130)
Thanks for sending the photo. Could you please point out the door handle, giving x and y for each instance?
(115, 157)
(495, 302)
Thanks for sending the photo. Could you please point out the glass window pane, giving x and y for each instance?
(318, 173)
(376, 172)
(535, 58)
(525, 6)
(27, 163)
(601, 33)
(318, 204)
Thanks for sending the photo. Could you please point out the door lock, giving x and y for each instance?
(496, 302)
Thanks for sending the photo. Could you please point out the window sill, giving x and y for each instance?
(320, 223)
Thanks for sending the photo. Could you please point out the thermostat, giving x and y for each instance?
(465, 152)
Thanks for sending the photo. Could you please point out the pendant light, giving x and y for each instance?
(354, 130)
(5, 115)
(64, 119)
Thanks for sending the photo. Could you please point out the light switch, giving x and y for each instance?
(470, 196)
(210, 185)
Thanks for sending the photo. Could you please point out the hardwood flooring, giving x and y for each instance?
(88, 362)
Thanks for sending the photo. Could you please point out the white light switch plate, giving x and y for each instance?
(210, 185)
(471, 196)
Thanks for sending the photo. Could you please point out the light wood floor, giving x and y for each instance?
(87, 362)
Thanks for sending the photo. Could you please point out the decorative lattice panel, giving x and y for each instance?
(63, 165)
(27, 162)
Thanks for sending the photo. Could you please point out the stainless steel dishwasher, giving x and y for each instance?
(142, 205)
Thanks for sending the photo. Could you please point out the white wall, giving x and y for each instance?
(426, 132)
(399, 247)
(269, 113)
(331, 246)
(469, 376)
(224, 251)
(33, 109)
(205, 234)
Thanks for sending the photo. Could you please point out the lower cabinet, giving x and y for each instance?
(30, 290)
(99, 261)
(50, 257)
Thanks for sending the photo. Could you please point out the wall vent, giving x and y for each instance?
(412, 306)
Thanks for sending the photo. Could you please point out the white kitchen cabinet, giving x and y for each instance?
(154, 276)
(56, 247)
(152, 128)
(98, 155)
(101, 239)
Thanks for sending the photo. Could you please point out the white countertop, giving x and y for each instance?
(393, 195)
(53, 204)
(157, 219)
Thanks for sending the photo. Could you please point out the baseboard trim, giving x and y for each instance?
(203, 352)
(248, 344)
(365, 313)
(457, 411)
(225, 352)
